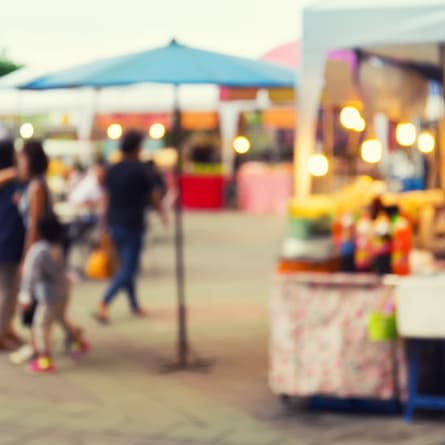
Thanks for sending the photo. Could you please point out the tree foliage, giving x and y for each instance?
(7, 66)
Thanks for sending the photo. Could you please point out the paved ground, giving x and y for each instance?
(118, 396)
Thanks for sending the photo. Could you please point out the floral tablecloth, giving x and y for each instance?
(319, 339)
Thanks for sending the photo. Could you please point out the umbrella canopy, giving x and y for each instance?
(173, 64)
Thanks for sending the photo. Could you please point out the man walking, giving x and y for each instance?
(128, 189)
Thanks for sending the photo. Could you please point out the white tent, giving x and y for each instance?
(404, 30)
(82, 104)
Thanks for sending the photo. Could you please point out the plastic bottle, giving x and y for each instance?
(382, 244)
(363, 243)
(401, 246)
(347, 243)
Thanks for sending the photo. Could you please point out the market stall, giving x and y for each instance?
(334, 332)
(335, 292)
(410, 33)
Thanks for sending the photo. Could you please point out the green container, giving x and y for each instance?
(303, 228)
(382, 327)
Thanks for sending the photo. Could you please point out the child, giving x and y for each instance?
(44, 278)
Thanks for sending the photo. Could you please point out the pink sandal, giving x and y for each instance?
(42, 365)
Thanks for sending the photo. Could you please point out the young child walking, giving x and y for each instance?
(44, 278)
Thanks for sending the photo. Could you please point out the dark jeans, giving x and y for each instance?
(128, 243)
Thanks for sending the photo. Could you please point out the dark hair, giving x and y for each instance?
(131, 141)
(6, 153)
(51, 230)
(38, 161)
(78, 167)
(100, 162)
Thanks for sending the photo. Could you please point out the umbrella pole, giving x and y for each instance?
(182, 342)
(184, 360)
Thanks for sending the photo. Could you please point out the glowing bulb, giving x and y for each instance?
(360, 125)
(27, 131)
(350, 118)
(157, 131)
(406, 134)
(426, 142)
(372, 151)
(318, 165)
(114, 131)
(241, 145)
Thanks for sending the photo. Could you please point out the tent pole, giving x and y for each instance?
(182, 342)
(442, 121)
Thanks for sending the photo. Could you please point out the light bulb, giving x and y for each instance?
(406, 134)
(426, 142)
(360, 125)
(350, 118)
(318, 165)
(27, 130)
(241, 145)
(114, 131)
(157, 131)
(372, 151)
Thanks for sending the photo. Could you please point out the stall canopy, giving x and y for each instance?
(407, 32)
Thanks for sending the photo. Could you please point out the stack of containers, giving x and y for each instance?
(308, 245)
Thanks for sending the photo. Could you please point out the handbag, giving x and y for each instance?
(102, 262)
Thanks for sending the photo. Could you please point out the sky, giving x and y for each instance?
(52, 34)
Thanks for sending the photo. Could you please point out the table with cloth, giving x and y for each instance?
(319, 338)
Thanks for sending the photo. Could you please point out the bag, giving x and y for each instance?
(102, 262)
(382, 327)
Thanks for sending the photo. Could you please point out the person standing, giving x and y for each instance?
(12, 235)
(127, 186)
(34, 204)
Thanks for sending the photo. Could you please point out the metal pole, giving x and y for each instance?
(442, 122)
(183, 346)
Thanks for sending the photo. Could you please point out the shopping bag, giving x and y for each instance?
(102, 262)
(382, 327)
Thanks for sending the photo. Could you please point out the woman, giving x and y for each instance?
(35, 201)
(34, 204)
(12, 235)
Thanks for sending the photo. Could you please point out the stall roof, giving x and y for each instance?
(405, 31)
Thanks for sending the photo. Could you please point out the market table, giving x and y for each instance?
(319, 338)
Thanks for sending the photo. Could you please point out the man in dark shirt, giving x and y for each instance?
(127, 186)
(12, 236)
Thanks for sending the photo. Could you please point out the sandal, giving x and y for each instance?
(22, 355)
(42, 365)
(101, 319)
(142, 313)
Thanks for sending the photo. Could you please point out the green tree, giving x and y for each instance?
(6, 65)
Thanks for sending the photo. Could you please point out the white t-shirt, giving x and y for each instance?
(88, 190)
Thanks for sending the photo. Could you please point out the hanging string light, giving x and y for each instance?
(371, 151)
(406, 134)
(318, 165)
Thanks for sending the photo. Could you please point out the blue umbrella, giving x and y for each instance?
(174, 64)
